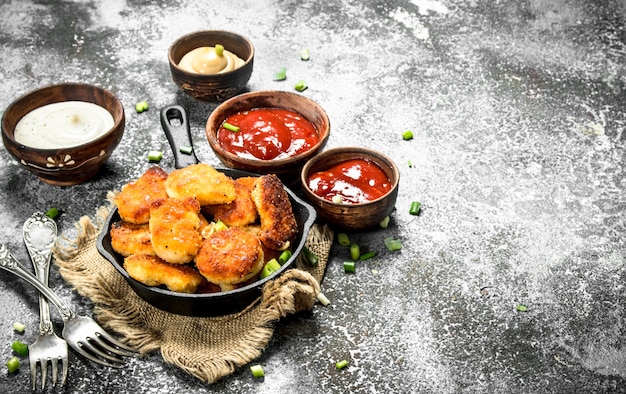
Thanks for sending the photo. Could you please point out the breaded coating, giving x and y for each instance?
(130, 238)
(203, 182)
(133, 201)
(238, 213)
(247, 181)
(229, 257)
(175, 229)
(154, 271)
(278, 223)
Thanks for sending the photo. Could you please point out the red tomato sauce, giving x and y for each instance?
(268, 133)
(354, 181)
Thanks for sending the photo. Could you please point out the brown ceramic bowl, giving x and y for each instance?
(212, 87)
(351, 216)
(64, 166)
(288, 169)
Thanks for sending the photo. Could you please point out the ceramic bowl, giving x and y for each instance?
(288, 169)
(212, 87)
(64, 166)
(351, 216)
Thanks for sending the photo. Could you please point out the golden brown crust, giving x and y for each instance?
(130, 238)
(133, 201)
(203, 182)
(238, 213)
(154, 271)
(175, 229)
(278, 223)
(228, 257)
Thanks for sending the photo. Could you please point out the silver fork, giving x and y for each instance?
(39, 233)
(82, 333)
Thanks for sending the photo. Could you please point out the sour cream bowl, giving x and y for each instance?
(75, 161)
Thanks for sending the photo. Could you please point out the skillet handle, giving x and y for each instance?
(176, 126)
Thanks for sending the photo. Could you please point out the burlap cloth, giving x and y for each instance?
(207, 348)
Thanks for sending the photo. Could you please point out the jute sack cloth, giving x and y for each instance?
(207, 348)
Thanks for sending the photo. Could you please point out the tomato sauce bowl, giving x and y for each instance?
(272, 152)
(367, 178)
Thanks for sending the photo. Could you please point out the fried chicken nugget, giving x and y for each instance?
(130, 238)
(202, 182)
(229, 257)
(154, 271)
(175, 229)
(238, 213)
(133, 201)
(278, 223)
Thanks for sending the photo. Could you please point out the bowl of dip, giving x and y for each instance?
(351, 188)
(211, 65)
(268, 132)
(63, 133)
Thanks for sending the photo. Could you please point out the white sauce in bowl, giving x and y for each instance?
(63, 125)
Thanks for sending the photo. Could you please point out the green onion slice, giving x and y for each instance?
(349, 266)
(19, 327)
(355, 252)
(269, 268)
(521, 308)
(219, 50)
(284, 256)
(52, 213)
(155, 156)
(341, 364)
(257, 371)
(186, 149)
(407, 135)
(305, 54)
(393, 244)
(13, 364)
(343, 239)
(141, 106)
(367, 256)
(310, 257)
(20, 348)
(230, 127)
(415, 208)
(385, 222)
(323, 299)
(301, 86)
(281, 74)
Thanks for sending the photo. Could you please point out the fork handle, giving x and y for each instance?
(9, 263)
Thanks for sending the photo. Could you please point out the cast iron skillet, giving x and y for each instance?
(174, 121)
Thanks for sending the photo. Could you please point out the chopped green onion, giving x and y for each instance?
(219, 225)
(52, 213)
(310, 257)
(155, 156)
(269, 268)
(141, 106)
(392, 244)
(410, 163)
(385, 222)
(230, 127)
(301, 86)
(415, 208)
(337, 199)
(281, 74)
(257, 371)
(407, 135)
(13, 364)
(219, 50)
(341, 364)
(343, 239)
(355, 252)
(521, 308)
(186, 149)
(322, 299)
(19, 327)
(367, 256)
(20, 348)
(284, 256)
(348, 266)
(305, 54)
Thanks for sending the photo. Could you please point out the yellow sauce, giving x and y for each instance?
(205, 60)
(62, 125)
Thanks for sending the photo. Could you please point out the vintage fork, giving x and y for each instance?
(82, 333)
(39, 233)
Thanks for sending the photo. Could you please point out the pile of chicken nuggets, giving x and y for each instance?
(198, 230)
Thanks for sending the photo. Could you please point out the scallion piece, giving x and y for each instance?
(415, 208)
(355, 252)
(310, 257)
(141, 106)
(19, 327)
(155, 156)
(392, 244)
(186, 149)
(407, 135)
(20, 348)
(257, 371)
(368, 255)
(230, 127)
(322, 299)
(301, 86)
(410, 163)
(521, 308)
(269, 268)
(219, 50)
(219, 225)
(337, 199)
(284, 256)
(343, 239)
(52, 213)
(13, 364)
(385, 222)
(341, 364)
(281, 74)
(305, 54)
(349, 266)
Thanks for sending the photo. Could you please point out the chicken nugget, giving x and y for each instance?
(133, 201)
(230, 257)
(175, 229)
(247, 181)
(278, 223)
(238, 213)
(203, 182)
(130, 238)
(154, 271)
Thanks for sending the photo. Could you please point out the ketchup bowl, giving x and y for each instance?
(369, 192)
(88, 136)
(265, 158)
